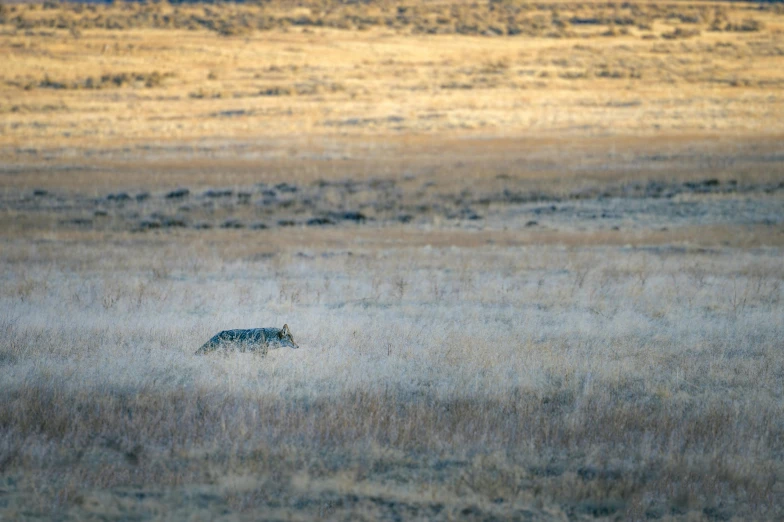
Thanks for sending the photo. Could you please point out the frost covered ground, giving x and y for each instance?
(445, 372)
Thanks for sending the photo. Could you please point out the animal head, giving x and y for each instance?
(285, 337)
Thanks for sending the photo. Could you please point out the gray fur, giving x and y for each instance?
(258, 340)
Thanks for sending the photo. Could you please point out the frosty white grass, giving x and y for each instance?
(645, 381)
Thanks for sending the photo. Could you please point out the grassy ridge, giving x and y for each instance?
(495, 18)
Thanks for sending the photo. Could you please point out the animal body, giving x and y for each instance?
(259, 340)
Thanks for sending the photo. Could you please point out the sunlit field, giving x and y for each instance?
(164, 80)
(531, 254)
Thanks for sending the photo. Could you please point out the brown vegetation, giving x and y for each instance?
(138, 77)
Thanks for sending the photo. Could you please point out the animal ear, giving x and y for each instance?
(286, 329)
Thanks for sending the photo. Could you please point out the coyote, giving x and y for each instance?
(254, 340)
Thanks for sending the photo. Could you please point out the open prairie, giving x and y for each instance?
(531, 252)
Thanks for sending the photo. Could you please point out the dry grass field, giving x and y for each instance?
(169, 81)
(532, 254)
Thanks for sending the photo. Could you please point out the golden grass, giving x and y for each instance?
(147, 84)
